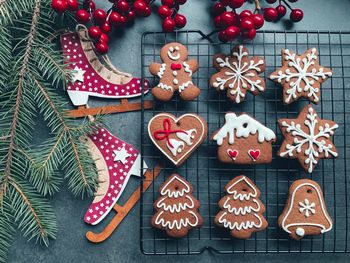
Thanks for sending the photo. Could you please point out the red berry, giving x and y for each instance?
(180, 2)
(227, 18)
(232, 32)
(236, 3)
(114, 17)
(258, 20)
(99, 16)
(270, 14)
(104, 38)
(140, 7)
(105, 28)
(219, 8)
(82, 16)
(281, 10)
(249, 34)
(59, 5)
(72, 5)
(296, 15)
(164, 11)
(94, 32)
(180, 20)
(247, 23)
(131, 15)
(147, 12)
(271, 1)
(122, 6)
(169, 3)
(245, 14)
(102, 47)
(222, 36)
(89, 5)
(217, 21)
(225, 2)
(168, 24)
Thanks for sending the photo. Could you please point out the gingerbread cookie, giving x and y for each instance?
(176, 208)
(175, 137)
(241, 209)
(307, 138)
(175, 73)
(305, 212)
(300, 76)
(238, 74)
(244, 140)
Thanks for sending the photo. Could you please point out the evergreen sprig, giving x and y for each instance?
(31, 69)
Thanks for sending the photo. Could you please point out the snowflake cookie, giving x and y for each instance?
(307, 138)
(300, 76)
(238, 74)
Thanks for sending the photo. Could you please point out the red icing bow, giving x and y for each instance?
(175, 66)
(164, 134)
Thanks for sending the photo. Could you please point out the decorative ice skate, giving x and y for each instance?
(241, 209)
(91, 78)
(305, 212)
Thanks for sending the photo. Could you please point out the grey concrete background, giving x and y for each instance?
(123, 246)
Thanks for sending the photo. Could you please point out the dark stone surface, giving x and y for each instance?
(123, 246)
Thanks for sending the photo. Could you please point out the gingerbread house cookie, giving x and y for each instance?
(244, 140)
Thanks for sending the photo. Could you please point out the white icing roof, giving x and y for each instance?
(242, 126)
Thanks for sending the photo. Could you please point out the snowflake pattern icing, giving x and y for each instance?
(307, 208)
(241, 74)
(300, 74)
(317, 139)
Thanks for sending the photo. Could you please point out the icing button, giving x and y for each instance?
(300, 231)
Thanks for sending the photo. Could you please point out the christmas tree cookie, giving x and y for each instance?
(305, 212)
(241, 209)
(176, 208)
(300, 76)
(238, 74)
(308, 138)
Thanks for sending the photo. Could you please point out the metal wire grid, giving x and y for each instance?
(208, 176)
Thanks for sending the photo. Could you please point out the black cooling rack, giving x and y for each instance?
(209, 176)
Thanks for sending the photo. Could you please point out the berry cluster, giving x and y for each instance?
(101, 22)
(168, 11)
(233, 23)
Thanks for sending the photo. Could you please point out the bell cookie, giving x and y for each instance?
(176, 137)
(176, 208)
(244, 140)
(241, 209)
(300, 76)
(175, 73)
(238, 74)
(307, 138)
(305, 212)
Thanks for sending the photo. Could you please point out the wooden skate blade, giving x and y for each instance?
(122, 211)
(124, 106)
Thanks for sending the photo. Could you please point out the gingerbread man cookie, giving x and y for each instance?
(305, 212)
(176, 208)
(175, 73)
(300, 76)
(307, 138)
(238, 74)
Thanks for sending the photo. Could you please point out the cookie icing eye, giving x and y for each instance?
(177, 48)
(171, 49)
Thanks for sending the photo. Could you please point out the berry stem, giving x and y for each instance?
(257, 6)
(287, 4)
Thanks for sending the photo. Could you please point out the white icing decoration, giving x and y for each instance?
(187, 68)
(177, 146)
(175, 81)
(311, 138)
(323, 228)
(164, 86)
(171, 51)
(241, 210)
(234, 122)
(176, 207)
(239, 74)
(176, 120)
(307, 208)
(239, 226)
(161, 70)
(175, 193)
(174, 73)
(178, 224)
(243, 196)
(187, 137)
(184, 85)
(300, 231)
(306, 73)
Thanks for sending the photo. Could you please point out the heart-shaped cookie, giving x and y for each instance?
(175, 137)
